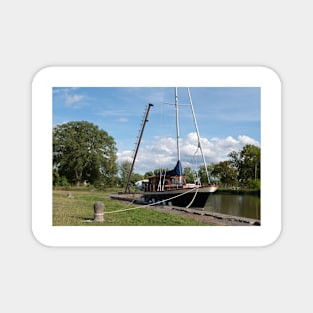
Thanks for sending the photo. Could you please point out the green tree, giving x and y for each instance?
(189, 175)
(251, 156)
(248, 163)
(83, 152)
(124, 169)
(202, 174)
(226, 173)
(148, 174)
(135, 177)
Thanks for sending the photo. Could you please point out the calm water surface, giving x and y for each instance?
(238, 205)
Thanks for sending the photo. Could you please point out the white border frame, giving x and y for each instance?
(147, 236)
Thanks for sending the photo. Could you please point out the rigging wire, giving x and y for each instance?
(195, 175)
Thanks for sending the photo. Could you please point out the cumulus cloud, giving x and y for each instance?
(71, 99)
(125, 156)
(69, 95)
(162, 153)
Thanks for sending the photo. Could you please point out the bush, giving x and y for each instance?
(59, 181)
(254, 184)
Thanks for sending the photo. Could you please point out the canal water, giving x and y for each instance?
(244, 205)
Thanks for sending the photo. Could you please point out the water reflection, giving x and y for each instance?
(238, 205)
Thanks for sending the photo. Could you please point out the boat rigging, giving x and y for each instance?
(172, 184)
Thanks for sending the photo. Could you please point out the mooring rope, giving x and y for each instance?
(191, 202)
(151, 204)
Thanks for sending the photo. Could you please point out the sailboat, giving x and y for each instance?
(170, 187)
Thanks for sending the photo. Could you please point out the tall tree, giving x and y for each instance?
(189, 175)
(124, 169)
(202, 174)
(251, 156)
(82, 151)
(248, 163)
(226, 173)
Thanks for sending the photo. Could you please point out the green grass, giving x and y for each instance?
(76, 211)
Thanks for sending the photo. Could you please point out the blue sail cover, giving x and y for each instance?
(177, 171)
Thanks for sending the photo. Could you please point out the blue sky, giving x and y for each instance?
(228, 118)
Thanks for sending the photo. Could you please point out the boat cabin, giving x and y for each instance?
(161, 183)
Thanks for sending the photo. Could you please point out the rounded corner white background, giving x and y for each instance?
(208, 236)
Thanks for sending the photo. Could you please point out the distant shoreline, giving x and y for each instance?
(255, 192)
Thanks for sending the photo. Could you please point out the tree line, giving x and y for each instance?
(85, 154)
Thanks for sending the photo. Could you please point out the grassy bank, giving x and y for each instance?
(77, 210)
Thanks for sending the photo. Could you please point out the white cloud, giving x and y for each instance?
(64, 90)
(71, 99)
(162, 153)
(68, 95)
(125, 156)
(122, 120)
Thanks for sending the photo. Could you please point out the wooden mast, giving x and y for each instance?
(145, 120)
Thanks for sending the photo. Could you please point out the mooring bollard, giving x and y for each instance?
(99, 212)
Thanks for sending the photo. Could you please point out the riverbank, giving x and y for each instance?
(200, 215)
(254, 192)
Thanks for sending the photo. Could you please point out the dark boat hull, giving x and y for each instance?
(182, 197)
